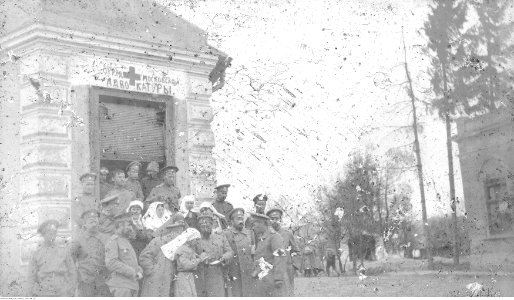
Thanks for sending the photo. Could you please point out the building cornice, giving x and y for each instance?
(17, 41)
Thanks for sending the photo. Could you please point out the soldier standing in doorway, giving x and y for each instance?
(105, 185)
(88, 252)
(121, 260)
(166, 192)
(133, 183)
(86, 201)
(242, 243)
(211, 281)
(275, 215)
(51, 269)
(270, 260)
(222, 206)
(152, 179)
(124, 195)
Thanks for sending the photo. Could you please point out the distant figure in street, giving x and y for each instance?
(124, 195)
(331, 261)
(152, 179)
(188, 260)
(242, 242)
(166, 192)
(270, 260)
(105, 185)
(159, 271)
(132, 184)
(308, 261)
(156, 216)
(107, 214)
(88, 252)
(211, 281)
(223, 207)
(190, 216)
(86, 201)
(121, 260)
(51, 269)
(275, 214)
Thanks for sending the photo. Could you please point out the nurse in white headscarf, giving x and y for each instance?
(156, 216)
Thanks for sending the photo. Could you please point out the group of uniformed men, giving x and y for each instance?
(112, 254)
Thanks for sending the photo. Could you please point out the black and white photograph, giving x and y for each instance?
(256, 148)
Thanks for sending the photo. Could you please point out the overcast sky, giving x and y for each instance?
(311, 81)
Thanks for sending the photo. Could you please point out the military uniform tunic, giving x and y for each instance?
(211, 281)
(242, 266)
(51, 272)
(166, 194)
(135, 187)
(89, 253)
(121, 262)
(148, 183)
(270, 248)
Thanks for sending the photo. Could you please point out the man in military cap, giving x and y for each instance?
(242, 243)
(259, 203)
(85, 201)
(132, 184)
(222, 206)
(51, 269)
(88, 252)
(166, 192)
(152, 179)
(105, 185)
(125, 196)
(270, 263)
(275, 215)
(211, 281)
(121, 260)
(107, 214)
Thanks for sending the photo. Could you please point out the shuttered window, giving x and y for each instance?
(131, 129)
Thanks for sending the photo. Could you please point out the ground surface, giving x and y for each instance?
(406, 284)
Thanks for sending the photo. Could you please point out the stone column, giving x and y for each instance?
(45, 146)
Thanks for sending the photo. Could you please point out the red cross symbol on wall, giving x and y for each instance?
(132, 75)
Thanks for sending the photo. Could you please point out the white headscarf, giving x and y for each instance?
(150, 219)
(183, 208)
(139, 221)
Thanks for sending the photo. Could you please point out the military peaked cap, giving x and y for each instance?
(168, 168)
(233, 211)
(46, 225)
(90, 213)
(205, 217)
(88, 176)
(275, 209)
(153, 166)
(260, 197)
(222, 186)
(134, 163)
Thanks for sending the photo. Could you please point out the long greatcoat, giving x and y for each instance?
(187, 263)
(158, 271)
(240, 270)
(270, 248)
(291, 247)
(211, 281)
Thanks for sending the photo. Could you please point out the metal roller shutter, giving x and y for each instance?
(131, 130)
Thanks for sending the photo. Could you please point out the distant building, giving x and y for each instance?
(486, 153)
(90, 83)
